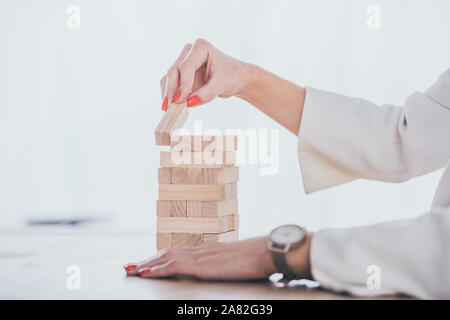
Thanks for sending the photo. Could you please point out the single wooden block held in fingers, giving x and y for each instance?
(174, 118)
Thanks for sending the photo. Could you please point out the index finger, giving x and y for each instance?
(193, 60)
(171, 79)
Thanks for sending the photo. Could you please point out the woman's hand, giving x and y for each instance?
(240, 260)
(202, 73)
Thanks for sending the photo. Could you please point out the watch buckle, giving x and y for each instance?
(273, 248)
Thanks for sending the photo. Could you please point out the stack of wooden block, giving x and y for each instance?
(197, 179)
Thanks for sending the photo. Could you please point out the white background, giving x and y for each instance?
(78, 107)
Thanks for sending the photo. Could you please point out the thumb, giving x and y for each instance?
(203, 94)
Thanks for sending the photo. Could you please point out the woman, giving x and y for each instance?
(340, 139)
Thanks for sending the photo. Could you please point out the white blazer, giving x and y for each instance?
(342, 139)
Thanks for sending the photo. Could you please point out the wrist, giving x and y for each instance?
(249, 80)
(298, 259)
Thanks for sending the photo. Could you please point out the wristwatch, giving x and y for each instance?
(282, 240)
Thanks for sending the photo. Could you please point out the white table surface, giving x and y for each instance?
(34, 261)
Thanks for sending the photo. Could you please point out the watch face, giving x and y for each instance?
(287, 234)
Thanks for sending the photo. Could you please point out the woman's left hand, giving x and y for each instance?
(240, 260)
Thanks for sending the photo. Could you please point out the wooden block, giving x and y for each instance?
(164, 175)
(178, 208)
(163, 240)
(220, 175)
(184, 143)
(211, 209)
(191, 192)
(182, 240)
(194, 176)
(235, 222)
(195, 192)
(194, 209)
(194, 225)
(180, 143)
(220, 159)
(203, 143)
(210, 175)
(212, 238)
(219, 143)
(171, 208)
(179, 175)
(163, 208)
(174, 118)
(197, 143)
(229, 158)
(230, 191)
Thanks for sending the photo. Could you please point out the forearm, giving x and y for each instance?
(278, 98)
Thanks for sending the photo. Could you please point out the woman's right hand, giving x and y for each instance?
(202, 73)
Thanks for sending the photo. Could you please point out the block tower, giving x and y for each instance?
(197, 204)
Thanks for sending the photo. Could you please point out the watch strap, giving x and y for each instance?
(279, 260)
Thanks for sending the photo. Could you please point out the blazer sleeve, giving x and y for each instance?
(408, 256)
(343, 138)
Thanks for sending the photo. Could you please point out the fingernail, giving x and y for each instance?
(164, 104)
(144, 271)
(177, 96)
(193, 101)
(130, 267)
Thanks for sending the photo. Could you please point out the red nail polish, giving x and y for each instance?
(144, 271)
(164, 104)
(130, 267)
(177, 96)
(193, 101)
